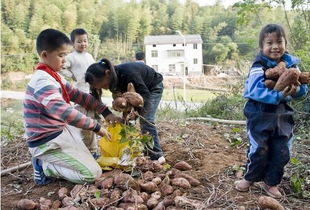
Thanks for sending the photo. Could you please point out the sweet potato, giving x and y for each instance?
(119, 104)
(100, 201)
(134, 99)
(152, 202)
(304, 78)
(270, 83)
(156, 195)
(131, 196)
(276, 72)
(166, 189)
(185, 202)
(160, 206)
(69, 208)
(168, 201)
(148, 176)
(56, 204)
(114, 208)
(194, 182)
(67, 201)
(287, 78)
(140, 161)
(45, 204)
(131, 87)
(149, 187)
(177, 192)
(26, 204)
(123, 181)
(157, 180)
(183, 166)
(265, 202)
(115, 194)
(141, 206)
(62, 192)
(107, 183)
(77, 189)
(126, 205)
(181, 182)
(157, 166)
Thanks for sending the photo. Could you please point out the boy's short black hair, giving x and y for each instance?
(271, 28)
(50, 40)
(140, 56)
(77, 31)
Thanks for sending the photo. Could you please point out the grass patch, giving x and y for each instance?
(11, 119)
(192, 95)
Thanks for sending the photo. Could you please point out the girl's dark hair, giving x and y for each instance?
(270, 28)
(97, 71)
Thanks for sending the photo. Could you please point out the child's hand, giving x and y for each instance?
(111, 118)
(104, 133)
(289, 90)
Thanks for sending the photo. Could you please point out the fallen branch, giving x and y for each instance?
(15, 168)
(208, 119)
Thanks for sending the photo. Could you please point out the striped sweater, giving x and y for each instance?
(46, 113)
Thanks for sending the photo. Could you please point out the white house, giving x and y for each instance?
(168, 55)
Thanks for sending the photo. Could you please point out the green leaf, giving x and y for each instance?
(297, 184)
(97, 194)
(295, 161)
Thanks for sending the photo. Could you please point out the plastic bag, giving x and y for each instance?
(117, 153)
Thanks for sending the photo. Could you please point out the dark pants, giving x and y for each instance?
(270, 133)
(149, 112)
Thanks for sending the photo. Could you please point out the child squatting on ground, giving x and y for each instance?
(147, 82)
(76, 64)
(269, 117)
(52, 124)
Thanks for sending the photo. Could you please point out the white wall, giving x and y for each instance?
(163, 60)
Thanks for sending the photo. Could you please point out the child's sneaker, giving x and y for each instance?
(39, 176)
(95, 155)
(243, 185)
(272, 191)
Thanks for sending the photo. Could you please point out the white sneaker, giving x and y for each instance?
(162, 160)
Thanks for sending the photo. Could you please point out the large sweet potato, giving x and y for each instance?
(183, 166)
(304, 78)
(287, 78)
(266, 202)
(119, 104)
(270, 83)
(181, 182)
(134, 99)
(276, 72)
(26, 204)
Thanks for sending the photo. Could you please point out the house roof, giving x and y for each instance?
(173, 39)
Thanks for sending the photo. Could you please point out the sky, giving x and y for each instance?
(227, 3)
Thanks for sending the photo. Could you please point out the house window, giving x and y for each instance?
(154, 45)
(154, 53)
(175, 53)
(195, 46)
(155, 67)
(174, 45)
(171, 67)
(195, 61)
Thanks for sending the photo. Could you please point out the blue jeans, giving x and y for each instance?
(149, 112)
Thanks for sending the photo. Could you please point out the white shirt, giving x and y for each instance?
(75, 67)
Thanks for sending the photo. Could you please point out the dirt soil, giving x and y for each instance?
(202, 145)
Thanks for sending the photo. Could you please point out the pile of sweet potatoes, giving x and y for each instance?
(279, 77)
(156, 188)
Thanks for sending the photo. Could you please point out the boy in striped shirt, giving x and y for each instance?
(52, 124)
